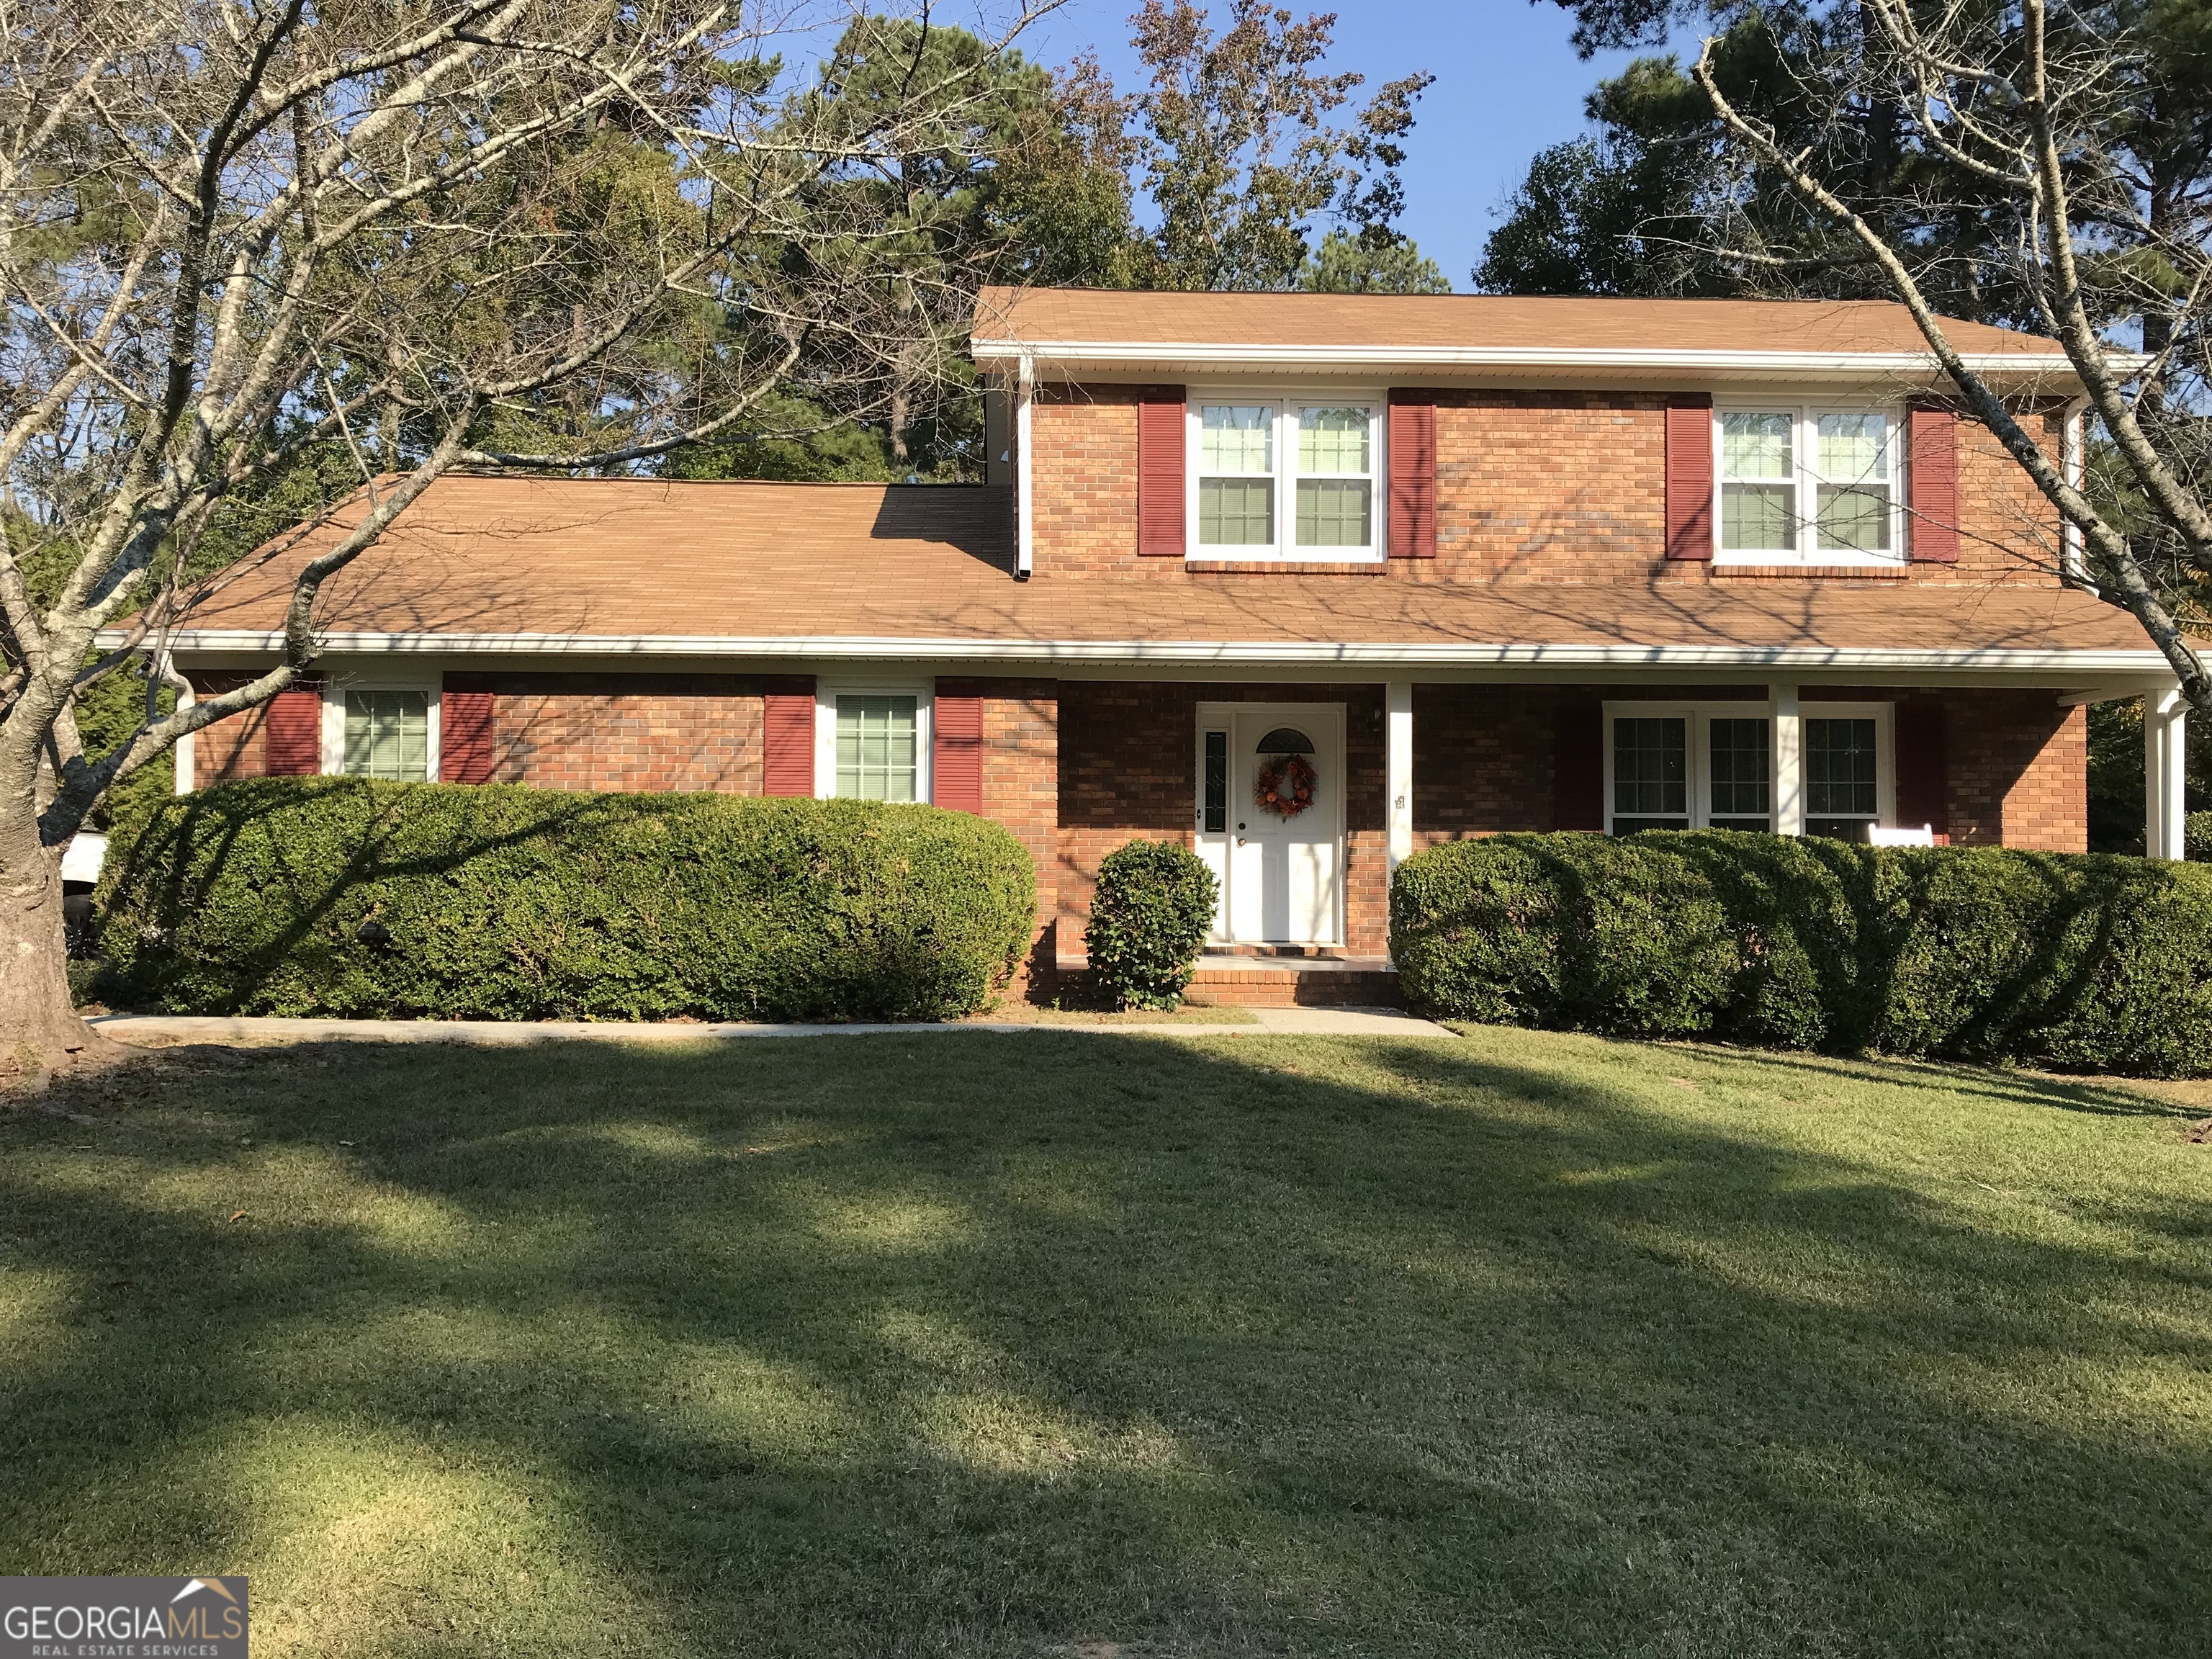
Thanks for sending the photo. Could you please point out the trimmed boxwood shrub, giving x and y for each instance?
(340, 896)
(2088, 963)
(1150, 915)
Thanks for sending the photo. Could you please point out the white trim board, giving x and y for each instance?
(2074, 665)
(1779, 364)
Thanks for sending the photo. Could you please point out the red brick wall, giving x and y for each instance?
(2019, 773)
(233, 748)
(1565, 487)
(1021, 791)
(628, 731)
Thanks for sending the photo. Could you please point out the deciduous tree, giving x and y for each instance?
(239, 238)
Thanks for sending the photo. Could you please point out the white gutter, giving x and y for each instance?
(1411, 356)
(1454, 654)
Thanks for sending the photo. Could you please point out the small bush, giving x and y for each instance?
(1150, 915)
(1976, 953)
(2197, 837)
(342, 897)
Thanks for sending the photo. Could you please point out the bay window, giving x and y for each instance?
(1285, 477)
(1807, 485)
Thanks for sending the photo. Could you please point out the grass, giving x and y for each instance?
(1055, 1343)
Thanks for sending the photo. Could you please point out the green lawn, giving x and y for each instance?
(1025, 1344)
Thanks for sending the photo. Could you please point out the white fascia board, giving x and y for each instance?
(1792, 364)
(2074, 665)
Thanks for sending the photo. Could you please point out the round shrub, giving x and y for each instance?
(2083, 961)
(343, 897)
(1150, 915)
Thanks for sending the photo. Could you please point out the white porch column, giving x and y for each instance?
(1398, 771)
(2165, 761)
(1789, 762)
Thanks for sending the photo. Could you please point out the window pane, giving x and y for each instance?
(1236, 512)
(1759, 518)
(1839, 769)
(1650, 768)
(1217, 782)
(1237, 438)
(1755, 445)
(387, 735)
(1838, 829)
(1333, 512)
(1333, 439)
(1854, 449)
(876, 750)
(1855, 519)
(1741, 769)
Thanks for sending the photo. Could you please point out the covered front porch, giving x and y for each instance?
(1304, 796)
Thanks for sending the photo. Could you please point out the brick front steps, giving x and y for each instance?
(1225, 980)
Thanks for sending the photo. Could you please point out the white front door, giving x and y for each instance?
(1282, 875)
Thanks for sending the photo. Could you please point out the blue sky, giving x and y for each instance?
(1507, 85)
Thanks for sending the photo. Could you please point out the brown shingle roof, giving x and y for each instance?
(621, 560)
(1383, 322)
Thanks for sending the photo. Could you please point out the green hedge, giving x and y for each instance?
(343, 897)
(2095, 962)
(1149, 914)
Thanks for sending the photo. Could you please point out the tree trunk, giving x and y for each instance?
(39, 1031)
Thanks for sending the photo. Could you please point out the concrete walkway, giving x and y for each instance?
(160, 1030)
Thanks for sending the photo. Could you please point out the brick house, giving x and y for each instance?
(1447, 565)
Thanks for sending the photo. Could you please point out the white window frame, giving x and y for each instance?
(825, 731)
(334, 696)
(1884, 716)
(1804, 435)
(1284, 401)
(1698, 718)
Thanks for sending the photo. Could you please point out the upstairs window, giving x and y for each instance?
(1286, 478)
(1807, 485)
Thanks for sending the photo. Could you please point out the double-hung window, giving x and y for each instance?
(1688, 768)
(1808, 485)
(1712, 766)
(1843, 776)
(386, 733)
(871, 743)
(1285, 477)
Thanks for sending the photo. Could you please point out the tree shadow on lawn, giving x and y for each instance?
(976, 1345)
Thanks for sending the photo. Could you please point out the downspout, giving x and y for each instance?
(2073, 560)
(1024, 516)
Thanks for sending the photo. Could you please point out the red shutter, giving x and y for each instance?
(1413, 474)
(1933, 459)
(292, 731)
(1923, 781)
(956, 763)
(787, 738)
(1578, 766)
(464, 729)
(1160, 452)
(1689, 476)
